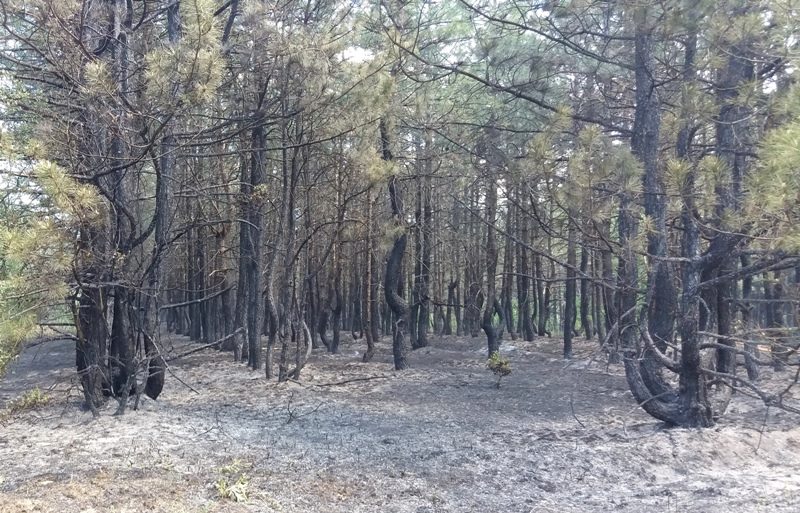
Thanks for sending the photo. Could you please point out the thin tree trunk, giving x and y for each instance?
(586, 294)
(570, 291)
(371, 333)
(751, 349)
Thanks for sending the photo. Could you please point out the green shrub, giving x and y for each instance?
(233, 483)
(30, 400)
(499, 366)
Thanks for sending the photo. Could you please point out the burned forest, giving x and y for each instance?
(411, 256)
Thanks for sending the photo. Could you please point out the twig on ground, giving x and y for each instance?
(187, 385)
(292, 412)
(572, 409)
(204, 346)
(761, 431)
(350, 381)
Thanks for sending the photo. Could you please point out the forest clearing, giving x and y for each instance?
(438, 437)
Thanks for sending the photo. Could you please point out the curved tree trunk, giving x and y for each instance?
(392, 283)
(492, 304)
(641, 366)
(394, 264)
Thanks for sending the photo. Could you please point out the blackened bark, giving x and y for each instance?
(611, 310)
(732, 143)
(644, 145)
(492, 304)
(312, 295)
(356, 301)
(164, 172)
(524, 281)
(570, 292)
(418, 326)
(288, 322)
(543, 297)
(473, 296)
(374, 304)
(367, 289)
(586, 294)
(643, 374)
(507, 299)
(91, 341)
(394, 264)
(726, 359)
(396, 302)
(271, 314)
(452, 300)
(597, 302)
(336, 308)
(197, 278)
(472, 301)
(773, 295)
(202, 285)
(240, 314)
(252, 256)
(425, 236)
(751, 349)
(370, 291)
(695, 405)
(322, 328)
(121, 347)
(393, 278)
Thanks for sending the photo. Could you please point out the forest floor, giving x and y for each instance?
(436, 438)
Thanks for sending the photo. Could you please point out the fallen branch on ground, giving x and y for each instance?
(350, 381)
(205, 346)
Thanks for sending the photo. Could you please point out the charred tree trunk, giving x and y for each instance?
(371, 335)
(420, 309)
(452, 304)
(586, 294)
(751, 349)
(392, 281)
(644, 145)
(336, 308)
(161, 217)
(394, 265)
(610, 310)
(776, 321)
(492, 304)
(424, 256)
(240, 314)
(508, 286)
(523, 279)
(570, 291)
(732, 144)
(597, 302)
(543, 297)
(288, 316)
(89, 314)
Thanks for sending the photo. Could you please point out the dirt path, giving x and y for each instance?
(436, 438)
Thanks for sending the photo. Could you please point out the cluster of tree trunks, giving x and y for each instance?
(266, 219)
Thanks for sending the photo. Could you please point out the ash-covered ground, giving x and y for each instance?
(352, 437)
